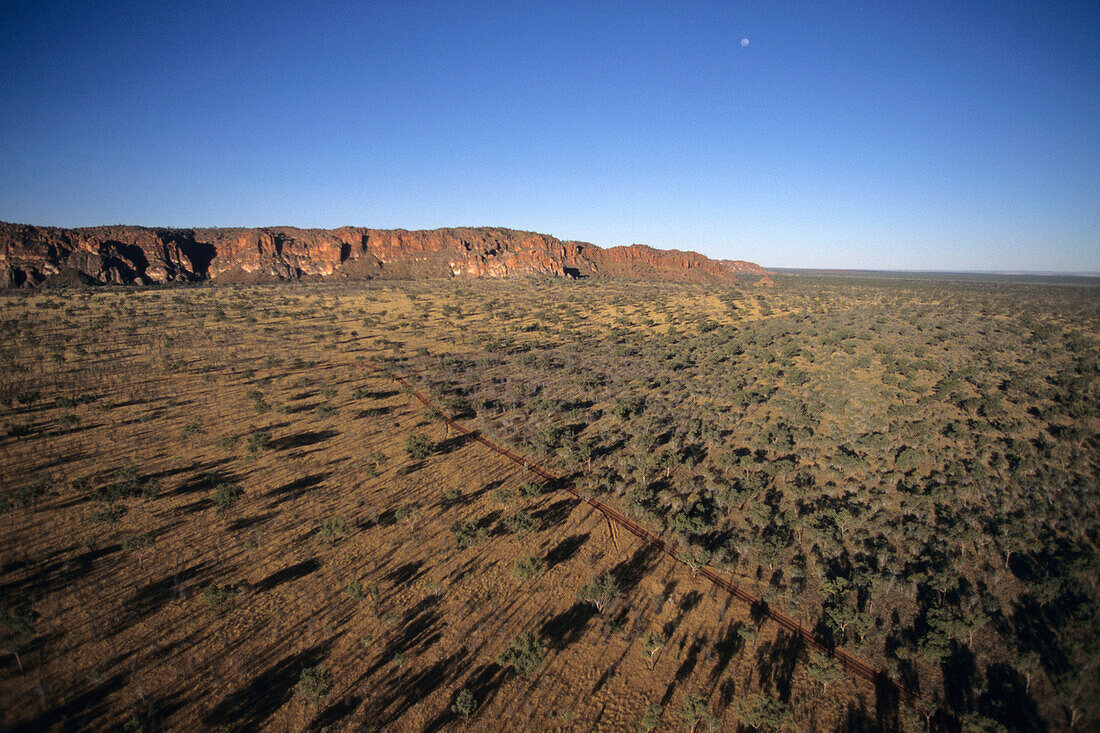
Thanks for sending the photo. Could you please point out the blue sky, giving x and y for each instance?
(873, 135)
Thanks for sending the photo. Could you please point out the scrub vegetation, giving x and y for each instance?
(219, 512)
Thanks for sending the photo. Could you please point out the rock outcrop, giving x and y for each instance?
(31, 255)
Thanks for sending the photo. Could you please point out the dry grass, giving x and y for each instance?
(339, 554)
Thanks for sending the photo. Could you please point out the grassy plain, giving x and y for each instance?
(217, 514)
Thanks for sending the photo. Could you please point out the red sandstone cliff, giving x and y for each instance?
(32, 255)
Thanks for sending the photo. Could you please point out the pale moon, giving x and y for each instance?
(744, 42)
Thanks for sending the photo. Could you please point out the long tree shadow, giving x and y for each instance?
(371, 412)
(1006, 699)
(412, 687)
(249, 707)
(246, 522)
(302, 440)
(554, 514)
(79, 713)
(53, 576)
(776, 662)
(565, 550)
(406, 573)
(857, 720)
(297, 487)
(287, 574)
(564, 628)
(728, 646)
(1035, 632)
(887, 703)
(958, 677)
(453, 443)
(204, 482)
(685, 669)
(333, 714)
(483, 684)
(420, 630)
(151, 597)
(688, 603)
(629, 573)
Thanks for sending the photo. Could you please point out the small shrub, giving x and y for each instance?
(419, 447)
(503, 495)
(17, 624)
(314, 684)
(452, 494)
(258, 441)
(375, 461)
(122, 484)
(226, 497)
(467, 534)
(216, 595)
(526, 655)
(757, 711)
(531, 488)
(528, 567)
(27, 396)
(653, 644)
(109, 514)
(823, 670)
(138, 540)
(150, 488)
(520, 523)
(25, 495)
(650, 718)
(464, 704)
(334, 529)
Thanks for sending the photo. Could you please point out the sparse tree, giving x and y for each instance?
(601, 591)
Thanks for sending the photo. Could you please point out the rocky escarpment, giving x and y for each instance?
(31, 255)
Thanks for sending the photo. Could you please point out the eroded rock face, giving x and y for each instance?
(31, 255)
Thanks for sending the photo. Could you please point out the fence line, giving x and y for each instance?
(849, 662)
